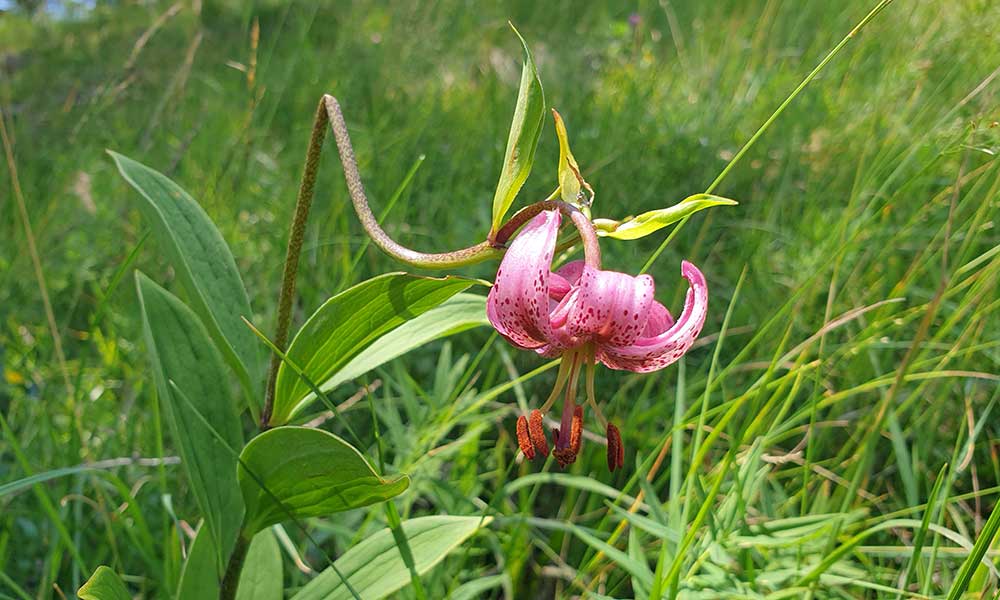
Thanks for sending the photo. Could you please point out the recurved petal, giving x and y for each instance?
(659, 320)
(562, 280)
(611, 307)
(653, 352)
(558, 286)
(518, 303)
(571, 271)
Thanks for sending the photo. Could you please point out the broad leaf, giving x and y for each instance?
(301, 472)
(192, 385)
(525, 129)
(350, 322)
(648, 222)
(457, 314)
(261, 577)
(204, 265)
(375, 568)
(104, 584)
(200, 576)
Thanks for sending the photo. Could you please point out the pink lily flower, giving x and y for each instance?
(585, 315)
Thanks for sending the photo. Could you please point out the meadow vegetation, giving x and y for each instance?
(832, 435)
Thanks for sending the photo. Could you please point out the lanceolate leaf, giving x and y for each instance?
(200, 576)
(654, 220)
(204, 265)
(457, 314)
(261, 577)
(104, 584)
(523, 139)
(182, 353)
(375, 568)
(569, 172)
(350, 322)
(300, 472)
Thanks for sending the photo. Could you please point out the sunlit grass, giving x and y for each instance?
(832, 435)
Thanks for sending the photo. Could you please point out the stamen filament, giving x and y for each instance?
(564, 369)
(591, 397)
(569, 402)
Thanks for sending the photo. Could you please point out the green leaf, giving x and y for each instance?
(570, 179)
(983, 543)
(375, 568)
(261, 577)
(579, 482)
(637, 569)
(301, 472)
(648, 222)
(199, 576)
(525, 129)
(182, 353)
(350, 322)
(104, 584)
(478, 587)
(204, 265)
(22, 484)
(457, 314)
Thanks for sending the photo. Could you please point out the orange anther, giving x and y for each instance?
(523, 439)
(616, 450)
(576, 431)
(537, 433)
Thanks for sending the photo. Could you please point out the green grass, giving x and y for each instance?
(835, 433)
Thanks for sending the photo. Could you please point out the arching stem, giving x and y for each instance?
(328, 112)
(444, 260)
(588, 235)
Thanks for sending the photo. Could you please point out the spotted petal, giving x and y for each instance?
(659, 320)
(655, 350)
(571, 271)
(611, 308)
(518, 303)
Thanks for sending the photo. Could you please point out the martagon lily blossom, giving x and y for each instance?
(581, 313)
(586, 315)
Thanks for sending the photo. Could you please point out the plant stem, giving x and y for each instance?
(445, 260)
(328, 112)
(591, 246)
(306, 191)
(231, 580)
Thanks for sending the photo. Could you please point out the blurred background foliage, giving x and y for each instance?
(879, 182)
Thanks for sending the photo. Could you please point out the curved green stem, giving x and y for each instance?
(588, 235)
(328, 112)
(444, 260)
